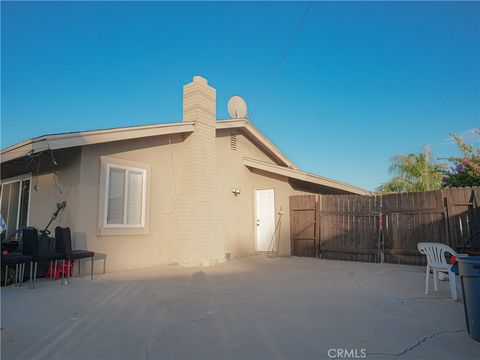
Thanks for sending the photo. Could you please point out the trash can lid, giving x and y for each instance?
(474, 260)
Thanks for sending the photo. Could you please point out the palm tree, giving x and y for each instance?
(414, 172)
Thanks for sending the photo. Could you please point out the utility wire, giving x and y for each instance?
(284, 56)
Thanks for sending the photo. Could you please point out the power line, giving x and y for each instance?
(284, 56)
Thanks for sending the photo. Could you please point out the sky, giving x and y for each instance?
(360, 83)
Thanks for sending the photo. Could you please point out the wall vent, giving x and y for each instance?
(233, 141)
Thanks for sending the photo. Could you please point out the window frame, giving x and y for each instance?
(125, 225)
(20, 179)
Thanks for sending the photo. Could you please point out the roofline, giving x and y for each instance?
(80, 138)
(257, 135)
(304, 176)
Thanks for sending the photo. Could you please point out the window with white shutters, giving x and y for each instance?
(125, 196)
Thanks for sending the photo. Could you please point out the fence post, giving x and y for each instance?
(446, 218)
(381, 234)
(317, 225)
(290, 214)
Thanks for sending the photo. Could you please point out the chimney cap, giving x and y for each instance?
(200, 80)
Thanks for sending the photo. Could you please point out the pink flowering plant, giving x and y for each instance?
(465, 170)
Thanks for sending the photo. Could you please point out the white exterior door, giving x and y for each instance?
(265, 218)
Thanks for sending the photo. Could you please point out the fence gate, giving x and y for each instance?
(349, 227)
(410, 218)
(303, 225)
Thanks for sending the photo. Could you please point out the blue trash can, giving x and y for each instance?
(469, 269)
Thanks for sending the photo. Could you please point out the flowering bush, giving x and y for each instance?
(466, 169)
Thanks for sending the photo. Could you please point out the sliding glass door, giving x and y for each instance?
(15, 201)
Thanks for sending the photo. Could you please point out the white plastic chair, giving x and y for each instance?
(436, 262)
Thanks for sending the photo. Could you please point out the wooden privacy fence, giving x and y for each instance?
(384, 228)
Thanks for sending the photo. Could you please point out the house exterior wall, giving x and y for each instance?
(239, 211)
(79, 179)
(53, 188)
(132, 250)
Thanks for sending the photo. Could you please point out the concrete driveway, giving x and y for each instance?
(252, 307)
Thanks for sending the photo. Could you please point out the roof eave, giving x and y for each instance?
(259, 137)
(304, 176)
(81, 138)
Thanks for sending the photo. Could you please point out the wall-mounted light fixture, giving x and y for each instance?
(236, 192)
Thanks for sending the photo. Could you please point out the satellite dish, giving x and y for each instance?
(237, 107)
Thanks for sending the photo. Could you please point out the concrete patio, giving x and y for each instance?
(253, 307)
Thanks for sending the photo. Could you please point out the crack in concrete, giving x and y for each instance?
(420, 342)
(197, 320)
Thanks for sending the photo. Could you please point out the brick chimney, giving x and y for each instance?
(199, 223)
(199, 101)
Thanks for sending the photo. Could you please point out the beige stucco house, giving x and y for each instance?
(188, 192)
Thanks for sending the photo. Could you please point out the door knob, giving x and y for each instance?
(258, 222)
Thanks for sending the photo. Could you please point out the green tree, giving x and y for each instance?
(414, 172)
(466, 169)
